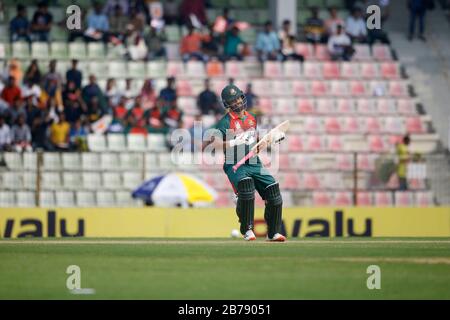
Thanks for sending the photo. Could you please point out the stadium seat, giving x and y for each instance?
(424, 199)
(184, 87)
(315, 143)
(261, 87)
(406, 106)
(333, 125)
(335, 143)
(112, 180)
(51, 180)
(29, 180)
(404, 199)
(319, 88)
(91, 180)
(71, 180)
(343, 199)
(136, 69)
(59, 50)
(65, 199)
(39, 50)
(284, 106)
(414, 125)
(305, 49)
(321, 52)
(381, 52)
(215, 69)
(365, 162)
(351, 125)
(305, 106)
(136, 142)
(377, 144)
(364, 199)
(350, 70)
(7, 199)
(366, 106)
(390, 70)
(312, 70)
(383, 199)
(322, 199)
(313, 124)
(51, 161)
(292, 69)
(295, 143)
(11, 180)
(96, 142)
(369, 70)
(156, 142)
(339, 88)
(85, 199)
(195, 69)
(117, 69)
(300, 88)
(71, 161)
(105, 199)
(358, 89)
(344, 162)
(272, 69)
(13, 160)
(132, 179)
(131, 161)
(156, 69)
(25, 199)
(234, 69)
(398, 89)
(280, 87)
(291, 181)
(96, 50)
(46, 199)
(109, 161)
(394, 125)
(362, 52)
(116, 142)
(77, 50)
(345, 106)
(372, 125)
(331, 70)
(265, 105)
(20, 50)
(386, 106)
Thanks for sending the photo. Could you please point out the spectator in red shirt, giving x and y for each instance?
(138, 112)
(191, 45)
(11, 91)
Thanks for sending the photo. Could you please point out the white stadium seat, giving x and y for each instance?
(65, 199)
(7, 199)
(47, 199)
(25, 199)
(91, 180)
(90, 161)
(136, 142)
(85, 199)
(116, 142)
(96, 142)
(106, 199)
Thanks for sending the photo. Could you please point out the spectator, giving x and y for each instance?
(33, 74)
(130, 92)
(252, 99)
(155, 43)
(94, 110)
(75, 110)
(154, 117)
(5, 135)
(39, 130)
(170, 12)
(120, 111)
(287, 40)
(21, 135)
(92, 90)
(207, 101)
(193, 10)
(11, 92)
(75, 75)
(315, 31)
(333, 22)
(356, 26)
(118, 24)
(169, 93)
(112, 93)
(191, 44)
(340, 45)
(136, 46)
(403, 160)
(210, 45)
(17, 109)
(223, 23)
(78, 136)
(138, 112)
(41, 23)
(111, 6)
(417, 10)
(232, 43)
(14, 70)
(32, 110)
(136, 22)
(19, 27)
(52, 85)
(148, 95)
(59, 133)
(52, 74)
(267, 44)
(98, 25)
(173, 117)
(32, 90)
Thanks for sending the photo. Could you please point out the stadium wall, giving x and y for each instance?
(173, 223)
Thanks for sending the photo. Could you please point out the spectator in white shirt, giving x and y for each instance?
(5, 135)
(356, 26)
(340, 45)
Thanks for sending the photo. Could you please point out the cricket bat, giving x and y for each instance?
(262, 144)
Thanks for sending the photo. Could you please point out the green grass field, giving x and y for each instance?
(226, 268)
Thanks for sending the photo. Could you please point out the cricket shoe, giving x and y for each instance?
(277, 237)
(249, 236)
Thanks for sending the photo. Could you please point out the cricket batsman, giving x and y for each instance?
(238, 129)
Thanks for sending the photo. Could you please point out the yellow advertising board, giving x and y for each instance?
(161, 222)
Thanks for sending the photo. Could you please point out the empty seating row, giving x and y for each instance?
(68, 199)
(378, 52)
(131, 142)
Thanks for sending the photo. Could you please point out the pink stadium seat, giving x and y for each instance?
(284, 161)
(312, 70)
(416, 184)
(195, 69)
(332, 125)
(312, 181)
(364, 199)
(295, 143)
(314, 143)
(398, 89)
(339, 88)
(358, 89)
(281, 87)
(381, 52)
(351, 125)
(273, 69)
(325, 106)
(265, 105)
(350, 70)
(303, 161)
(284, 106)
(224, 199)
(322, 199)
(215, 69)
(406, 106)
(305, 49)
(300, 88)
(344, 162)
(343, 199)
(362, 52)
(319, 88)
(335, 143)
(372, 125)
(386, 106)
(377, 144)
(291, 181)
(331, 70)
(424, 199)
(184, 87)
(175, 68)
(390, 70)
(234, 69)
(383, 199)
(345, 106)
(369, 70)
(394, 125)
(395, 139)
(313, 124)
(218, 84)
(365, 162)
(292, 69)
(261, 87)
(305, 106)
(321, 52)
(404, 199)
(414, 125)
(366, 106)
